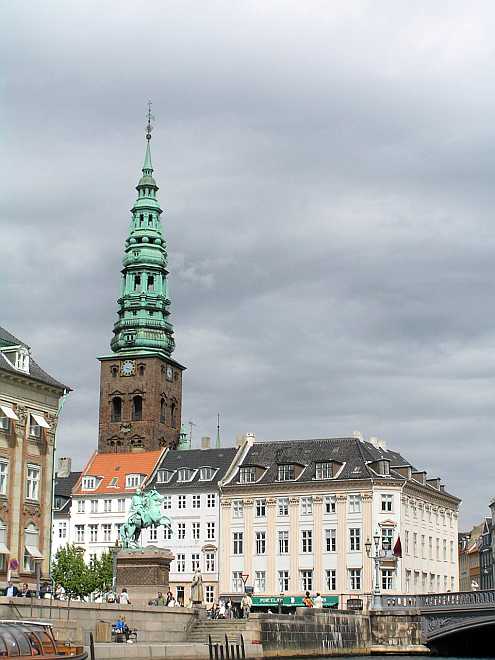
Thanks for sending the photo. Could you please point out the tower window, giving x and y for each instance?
(150, 220)
(141, 369)
(137, 282)
(115, 371)
(137, 408)
(116, 409)
(141, 220)
(163, 407)
(172, 415)
(151, 283)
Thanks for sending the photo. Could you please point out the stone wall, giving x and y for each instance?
(401, 630)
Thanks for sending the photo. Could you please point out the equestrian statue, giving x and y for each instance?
(145, 511)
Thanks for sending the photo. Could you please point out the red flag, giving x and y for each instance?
(398, 548)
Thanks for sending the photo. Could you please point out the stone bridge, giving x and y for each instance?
(445, 614)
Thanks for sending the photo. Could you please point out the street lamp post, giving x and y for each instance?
(376, 602)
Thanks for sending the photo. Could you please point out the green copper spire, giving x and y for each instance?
(143, 324)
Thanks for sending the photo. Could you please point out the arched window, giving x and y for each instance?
(137, 408)
(141, 220)
(31, 548)
(150, 220)
(116, 409)
(151, 283)
(163, 408)
(172, 415)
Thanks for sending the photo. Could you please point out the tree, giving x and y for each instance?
(69, 570)
(103, 572)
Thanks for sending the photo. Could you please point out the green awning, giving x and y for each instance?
(290, 601)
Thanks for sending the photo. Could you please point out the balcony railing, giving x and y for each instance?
(454, 600)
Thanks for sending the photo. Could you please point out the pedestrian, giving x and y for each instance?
(59, 592)
(24, 592)
(124, 597)
(307, 600)
(246, 605)
(172, 602)
(11, 591)
(168, 597)
(160, 600)
(318, 601)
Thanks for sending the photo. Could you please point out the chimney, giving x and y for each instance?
(241, 438)
(64, 466)
(205, 442)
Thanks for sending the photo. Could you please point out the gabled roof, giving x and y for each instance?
(117, 466)
(219, 459)
(35, 371)
(63, 485)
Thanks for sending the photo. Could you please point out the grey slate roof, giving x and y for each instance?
(356, 456)
(194, 459)
(63, 488)
(35, 371)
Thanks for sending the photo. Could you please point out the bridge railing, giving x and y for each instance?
(449, 600)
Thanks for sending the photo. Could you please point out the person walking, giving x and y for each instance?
(246, 605)
(318, 602)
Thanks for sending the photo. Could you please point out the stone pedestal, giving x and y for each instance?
(143, 572)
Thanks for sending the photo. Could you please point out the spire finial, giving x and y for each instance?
(149, 125)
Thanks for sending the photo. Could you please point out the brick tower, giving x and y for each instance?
(140, 383)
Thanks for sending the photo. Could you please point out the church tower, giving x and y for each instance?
(140, 383)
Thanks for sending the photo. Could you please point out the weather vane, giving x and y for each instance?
(149, 126)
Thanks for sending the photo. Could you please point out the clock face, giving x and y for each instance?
(127, 368)
(169, 372)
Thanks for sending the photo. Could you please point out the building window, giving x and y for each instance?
(181, 563)
(260, 543)
(62, 530)
(137, 408)
(211, 500)
(306, 580)
(237, 509)
(444, 549)
(283, 542)
(438, 549)
(163, 411)
(210, 562)
(331, 540)
(196, 531)
(34, 428)
(387, 503)
(452, 551)
(79, 533)
(387, 579)
(181, 531)
(324, 470)
(31, 549)
(237, 538)
(81, 506)
(307, 540)
(406, 542)
(331, 579)
(107, 532)
(117, 529)
(355, 579)
(260, 508)
(423, 546)
(194, 562)
(137, 278)
(196, 501)
(151, 283)
(93, 533)
(306, 506)
(172, 415)
(354, 503)
(388, 538)
(114, 482)
(286, 472)
(185, 474)
(182, 502)
(167, 532)
(283, 506)
(164, 476)
(107, 506)
(210, 531)
(4, 422)
(89, 483)
(237, 583)
(209, 594)
(154, 533)
(33, 482)
(121, 505)
(167, 501)
(116, 409)
(247, 475)
(94, 506)
(206, 473)
(283, 581)
(4, 473)
(354, 539)
(415, 544)
(260, 582)
(408, 581)
(330, 503)
(133, 480)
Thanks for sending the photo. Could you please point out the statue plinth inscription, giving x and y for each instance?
(143, 572)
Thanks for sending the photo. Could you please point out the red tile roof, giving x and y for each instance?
(110, 466)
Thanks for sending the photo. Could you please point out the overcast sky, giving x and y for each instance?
(326, 172)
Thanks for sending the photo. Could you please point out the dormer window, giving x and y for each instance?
(164, 476)
(18, 356)
(286, 472)
(185, 474)
(206, 473)
(114, 482)
(326, 470)
(247, 475)
(133, 480)
(89, 483)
